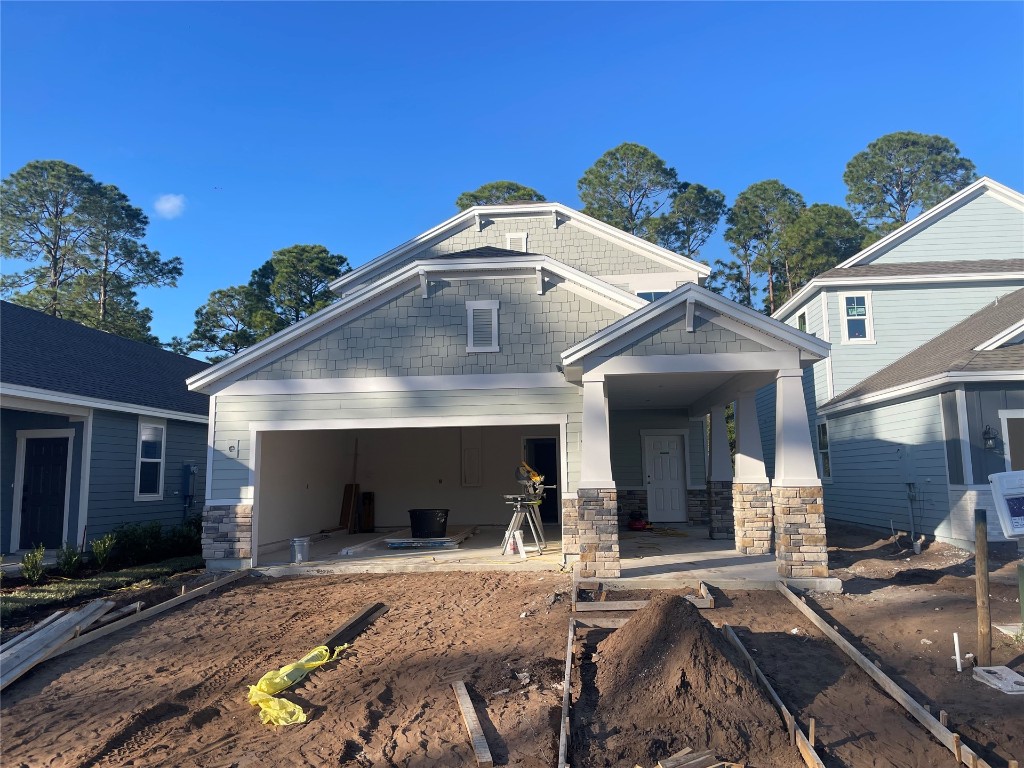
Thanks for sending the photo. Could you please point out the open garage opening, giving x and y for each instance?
(301, 475)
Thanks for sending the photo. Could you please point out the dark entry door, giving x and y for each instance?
(43, 489)
(541, 453)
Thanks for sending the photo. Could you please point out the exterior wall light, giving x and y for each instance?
(990, 436)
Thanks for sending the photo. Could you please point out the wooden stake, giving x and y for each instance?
(1013, 764)
(943, 718)
(956, 748)
(810, 732)
(981, 584)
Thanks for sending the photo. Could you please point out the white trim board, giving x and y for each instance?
(368, 298)
(1005, 414)
(1008, 336)
(63, 398)
(396, 384)
(477, 215)
(22, 435)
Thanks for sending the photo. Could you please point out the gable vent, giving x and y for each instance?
(516, 241)
(482, 318)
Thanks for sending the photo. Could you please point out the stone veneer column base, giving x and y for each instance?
(598, 534)
(570, 527)
(752, 511)
(227, 533)
(720, 504)
(631, 501)
(697, 511)
(800, 548)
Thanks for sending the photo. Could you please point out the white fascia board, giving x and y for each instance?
(534, 210)
(1001, 338)
(799, 298)
(922, 385)
(81, 401)
(464, 382)
(371, 296)
(676, 301)
(947, 206)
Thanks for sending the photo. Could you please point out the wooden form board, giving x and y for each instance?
(704, 601)
(30, 632)
(946, 737)
(149, 612)
(476, 733)
(810, 757)
(564, 728)
(355, 625)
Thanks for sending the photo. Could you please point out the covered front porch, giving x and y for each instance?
(697, 355)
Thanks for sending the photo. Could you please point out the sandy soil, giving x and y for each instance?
(140, 700)
(172, 691)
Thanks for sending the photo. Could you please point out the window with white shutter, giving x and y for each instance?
(482, 318)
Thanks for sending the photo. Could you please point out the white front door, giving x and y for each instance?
(666, 484)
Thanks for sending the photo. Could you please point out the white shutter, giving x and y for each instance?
(482, 321)
(516, 241)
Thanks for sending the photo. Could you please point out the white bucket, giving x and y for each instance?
(300, 549)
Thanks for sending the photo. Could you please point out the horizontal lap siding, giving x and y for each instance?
(985, 228)
(112, 482)
(234, 413)
(869, 477)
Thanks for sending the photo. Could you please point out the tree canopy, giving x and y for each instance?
(628, 187)
(817, 240)
(692, 219)
(498, 192)
(902, 174)
(83, 242)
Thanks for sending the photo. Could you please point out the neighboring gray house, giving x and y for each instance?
(926, 328)
(95, 431)
(508, 332)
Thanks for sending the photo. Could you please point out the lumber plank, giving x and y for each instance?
(601, 622)
(31, 631)
(611, 605)
(167, 605)
(45, 644)
(810, 757)
(563, 731)
(476, 733)
(941, 733)
(356, 624)
(113, 616)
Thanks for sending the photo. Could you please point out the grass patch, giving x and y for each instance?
(62, 593)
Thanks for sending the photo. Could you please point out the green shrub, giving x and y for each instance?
(32, 565)
(69, 560)
(138, 543)
(102, 549)
(185, 539)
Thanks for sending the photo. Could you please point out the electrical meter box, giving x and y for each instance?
(1008, 494)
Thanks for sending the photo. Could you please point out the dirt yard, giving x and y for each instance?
(172, 692)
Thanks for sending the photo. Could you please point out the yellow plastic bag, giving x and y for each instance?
(280, 711)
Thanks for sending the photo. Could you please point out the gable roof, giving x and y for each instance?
(556, 211)
(907, 231)
(47, 353)
(371, 296)
(923, 268)
(652, 314)
(959, 352)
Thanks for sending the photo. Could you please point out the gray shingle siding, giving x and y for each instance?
(706, 338)
(413, 336)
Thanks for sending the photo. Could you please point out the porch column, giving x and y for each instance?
(751, 491)
(800, 549)
(597, 510)
(720, 477)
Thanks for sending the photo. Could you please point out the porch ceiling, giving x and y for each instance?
(681, 390)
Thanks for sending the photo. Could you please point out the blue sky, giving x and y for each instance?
(356, 125)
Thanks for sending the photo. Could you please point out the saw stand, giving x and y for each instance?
(524, 508)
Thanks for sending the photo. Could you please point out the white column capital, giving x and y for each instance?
(794, 456)
(720, 455)
(789, 372)
(749, 454)
(596, 471)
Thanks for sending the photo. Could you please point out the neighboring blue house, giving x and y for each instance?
(922, 396)
(95, 431)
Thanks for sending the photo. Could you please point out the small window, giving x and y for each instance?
(651, 295)
(801, 322)
(516, 241)
(149, 466)
(482, 319)
(858, 326)
(824, 457)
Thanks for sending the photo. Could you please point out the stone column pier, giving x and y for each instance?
(751, 491)
(227, 537)
(598, 534)
(720, 476)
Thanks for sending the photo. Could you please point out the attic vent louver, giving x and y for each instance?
(482, 319)
(516, 241)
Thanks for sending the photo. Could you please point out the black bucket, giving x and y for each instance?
(428, 523)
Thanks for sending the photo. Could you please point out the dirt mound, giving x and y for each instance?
(668, 680)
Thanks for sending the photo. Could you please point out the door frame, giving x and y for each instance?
(23, 435)
(559, 480)
(683, 433)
